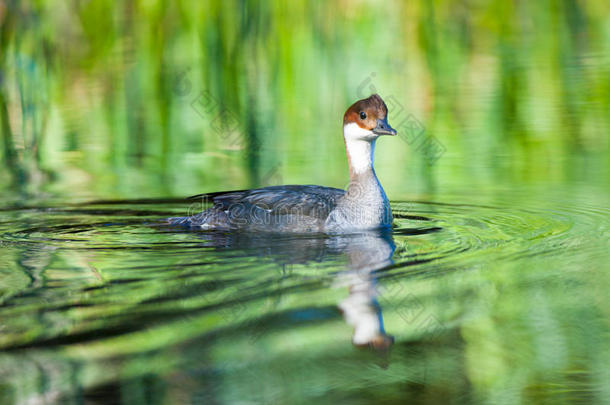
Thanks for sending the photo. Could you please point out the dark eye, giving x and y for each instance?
(362, 115)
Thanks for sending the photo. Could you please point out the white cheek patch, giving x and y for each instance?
(352, 131)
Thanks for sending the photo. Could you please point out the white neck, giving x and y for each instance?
(360, 147)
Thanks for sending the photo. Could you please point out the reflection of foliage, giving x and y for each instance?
(132, 310)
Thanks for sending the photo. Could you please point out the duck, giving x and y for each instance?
(312, 208)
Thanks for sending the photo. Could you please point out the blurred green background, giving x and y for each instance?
(171, 98)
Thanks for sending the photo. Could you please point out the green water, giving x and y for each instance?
(491, 288)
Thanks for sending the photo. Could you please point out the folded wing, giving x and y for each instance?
(292, 207)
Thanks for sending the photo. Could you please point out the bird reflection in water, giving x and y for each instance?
(366, 253)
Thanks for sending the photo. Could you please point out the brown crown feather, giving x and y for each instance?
(373, 107)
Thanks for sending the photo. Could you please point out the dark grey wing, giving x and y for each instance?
(290, 207)
(307, 200)
(276, 208)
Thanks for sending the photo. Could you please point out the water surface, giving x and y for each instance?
(461, 301)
